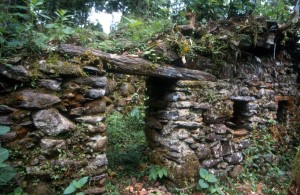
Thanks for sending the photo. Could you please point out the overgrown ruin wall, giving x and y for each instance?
(57, 117)
(194, 124)
(56, 113)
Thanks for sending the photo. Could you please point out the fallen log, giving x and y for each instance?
(127, 64)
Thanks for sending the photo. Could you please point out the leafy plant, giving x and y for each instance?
(127, 141)
(6, 172)
(76, 185)
(60, 30)
(157, 172)
(18, 191)
(208, 182)
(152, 56)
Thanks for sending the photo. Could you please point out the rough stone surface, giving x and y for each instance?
(243, 98)
(32, 99)
(95, 93)
(52, 122)
(95, 107)
(90, 119)
(61, 68)
(50, 84)
(18, 73)
(51, 145)
(92, 81)
(234, 158)
(97, 143)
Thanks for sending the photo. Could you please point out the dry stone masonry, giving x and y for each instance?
(58, 130)
(57, 112)
(192, 124)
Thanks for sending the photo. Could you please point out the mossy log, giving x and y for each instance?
(127, 64)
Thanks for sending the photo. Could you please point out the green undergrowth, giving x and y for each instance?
(266, 169)
(126, 141)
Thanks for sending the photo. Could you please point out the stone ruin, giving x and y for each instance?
(57, 118)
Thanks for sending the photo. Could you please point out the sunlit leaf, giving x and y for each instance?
(203, 184)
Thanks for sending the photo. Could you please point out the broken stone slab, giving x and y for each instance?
(188, 124)
(50, 146)
(256, 119)
(95, 107)
(243, 98)
(99, 161)
(93, 70)
(90, 119)
(181, 104)
(33, 99)
(204, 106)
(173, 114)
(219, 128)
(51, 122)
(214, 119)
(227, 148)
(95, 93)
(18, 73)
(239, 132)
(243, 144)
(77, 111)
(273, 106)
(92, 81)
(235, 158)
(203, 151)
(252, 106)
(50, 84)
(60, 68)
(211, 163)
(97, 143)
(211, 137)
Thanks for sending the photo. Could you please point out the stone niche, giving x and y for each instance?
(193, 124)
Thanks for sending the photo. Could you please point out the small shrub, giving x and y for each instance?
(208, 183)
(157, 172)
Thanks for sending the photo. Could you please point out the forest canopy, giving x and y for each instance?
(33, 25)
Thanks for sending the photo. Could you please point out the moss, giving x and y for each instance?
(88, 58)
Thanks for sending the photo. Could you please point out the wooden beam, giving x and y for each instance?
(127, 64)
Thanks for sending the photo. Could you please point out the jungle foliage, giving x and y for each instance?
(33, 26)
(36, 27)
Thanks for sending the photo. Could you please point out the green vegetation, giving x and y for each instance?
(157, 172)
(126, 140)
(263, 170)
(208, 183)
(36, 28)
(7, 172)
(76, 185)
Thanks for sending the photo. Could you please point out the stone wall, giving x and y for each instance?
(192, 124)
(56, 113)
